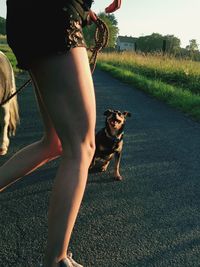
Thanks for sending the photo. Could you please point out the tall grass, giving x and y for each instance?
(181, 73)
(162, 77)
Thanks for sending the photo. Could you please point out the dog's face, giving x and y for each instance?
(115, 119)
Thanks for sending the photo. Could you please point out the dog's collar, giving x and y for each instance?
(115, 139)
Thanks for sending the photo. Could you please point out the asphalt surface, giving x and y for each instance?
(151, 218)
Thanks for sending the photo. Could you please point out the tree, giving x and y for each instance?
(193, 46)
(111, 23)
(157, 43)
(150, 43)
(173, 44)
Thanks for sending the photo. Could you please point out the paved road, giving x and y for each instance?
(152, 218)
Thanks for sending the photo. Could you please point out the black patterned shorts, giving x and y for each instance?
(38, 28)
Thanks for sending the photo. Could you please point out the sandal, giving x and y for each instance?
(72, 261)
(68, 262)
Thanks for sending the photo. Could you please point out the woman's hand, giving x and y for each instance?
(113, 7)
(92, 17)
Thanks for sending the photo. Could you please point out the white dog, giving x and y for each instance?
(9, 115)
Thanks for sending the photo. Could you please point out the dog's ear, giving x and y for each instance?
(127, 114)
(107, 112)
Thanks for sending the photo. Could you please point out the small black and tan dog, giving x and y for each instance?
(109, 142)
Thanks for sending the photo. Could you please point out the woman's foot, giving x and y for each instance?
(72, 261)
(68, 262)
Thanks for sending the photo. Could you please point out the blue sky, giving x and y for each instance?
(135, 18)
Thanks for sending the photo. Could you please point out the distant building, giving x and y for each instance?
(126, 43)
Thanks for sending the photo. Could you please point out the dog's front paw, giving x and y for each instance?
(118, 178)
(103, 168)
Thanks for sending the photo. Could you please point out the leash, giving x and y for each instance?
(17, 91)
(101, 40)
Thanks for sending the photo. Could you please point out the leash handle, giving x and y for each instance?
(116, 4)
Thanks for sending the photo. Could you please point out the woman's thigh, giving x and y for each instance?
(66, 88)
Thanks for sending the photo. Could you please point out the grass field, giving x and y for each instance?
(7, 51)
(177, 82)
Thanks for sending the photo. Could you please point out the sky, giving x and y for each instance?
(139, 18)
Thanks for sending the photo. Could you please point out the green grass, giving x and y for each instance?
(3, 39)
(8, 52)
(177, 97)
(179, 73)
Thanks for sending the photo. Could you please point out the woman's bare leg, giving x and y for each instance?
(66, 88)
(33, 156)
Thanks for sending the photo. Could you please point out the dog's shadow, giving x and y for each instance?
(95, 176)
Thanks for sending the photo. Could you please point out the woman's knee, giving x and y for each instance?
(79, 148)
(88, 148)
